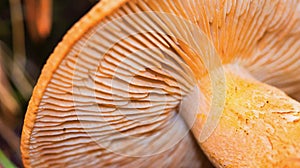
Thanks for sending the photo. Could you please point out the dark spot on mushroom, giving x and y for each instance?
(267, 101)
(262, 105)
(246, 132)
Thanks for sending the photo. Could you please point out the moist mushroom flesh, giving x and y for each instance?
(147, 83)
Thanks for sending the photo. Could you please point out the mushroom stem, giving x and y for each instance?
(256, 116)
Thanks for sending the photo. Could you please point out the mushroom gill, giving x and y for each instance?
(132, 78)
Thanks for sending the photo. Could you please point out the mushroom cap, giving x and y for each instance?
(126, 85)
(116, 115)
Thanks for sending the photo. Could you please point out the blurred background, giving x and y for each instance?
(29, 31)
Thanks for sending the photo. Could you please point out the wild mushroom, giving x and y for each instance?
(131, 78)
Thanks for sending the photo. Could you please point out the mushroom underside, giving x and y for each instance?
(133, 91)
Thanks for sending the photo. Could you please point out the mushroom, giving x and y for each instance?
(144, 83)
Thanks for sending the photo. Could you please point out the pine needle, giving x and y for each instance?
(5, 162)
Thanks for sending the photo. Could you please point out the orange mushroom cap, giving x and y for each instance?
(144, 83)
